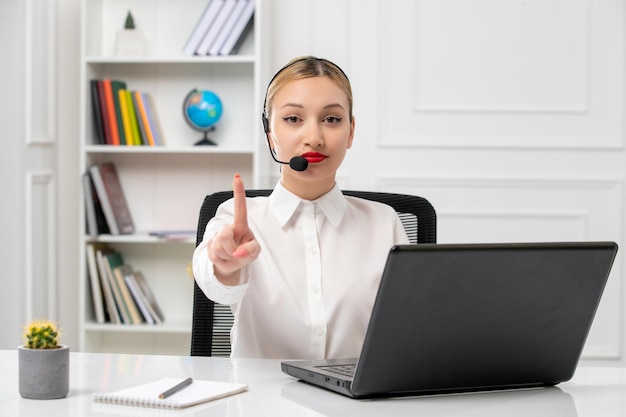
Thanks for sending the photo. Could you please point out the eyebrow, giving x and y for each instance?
(300, 106)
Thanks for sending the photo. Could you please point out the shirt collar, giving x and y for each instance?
(284, 204)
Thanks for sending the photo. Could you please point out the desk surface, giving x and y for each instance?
(592, 392)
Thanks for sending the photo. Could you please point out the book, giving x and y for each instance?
(120, 272)
(153, 119)
(101, 221)
(93, 209)
(176, 235)
(96, 113)
(104, 116)
(141, 301)
(228, 27)
(133, 118)
(122, 117)
(152, 305)
(147, 395)
(95, 282)
(206, 19)
(216, 27)
(143, 118)
(124, 111)
(143, 138)
(111, 195)
(90, 209)
(111, 305)
(116, 86)
(110, 111)
(239, 31)
(112, 259)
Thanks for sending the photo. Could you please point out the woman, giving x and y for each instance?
(301, 267)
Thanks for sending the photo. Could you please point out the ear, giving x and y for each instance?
(270, 141)
(351, 138)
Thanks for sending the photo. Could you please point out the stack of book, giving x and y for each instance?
(221, 28)
(121, 295)
(106, 208)
(123, 117)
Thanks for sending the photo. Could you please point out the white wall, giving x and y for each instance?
(508, 115)
(38, 79)
(67, 156)
(11, 244)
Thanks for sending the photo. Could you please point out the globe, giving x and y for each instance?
(202, 110)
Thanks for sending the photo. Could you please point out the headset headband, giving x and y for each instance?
(266, 127)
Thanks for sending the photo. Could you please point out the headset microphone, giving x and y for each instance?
(297, 163)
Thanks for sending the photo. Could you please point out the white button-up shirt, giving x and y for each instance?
(310, 293)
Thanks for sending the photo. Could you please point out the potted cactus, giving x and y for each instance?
(44, 363)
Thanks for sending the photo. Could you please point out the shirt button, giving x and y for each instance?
(320, 332)
(316, 290)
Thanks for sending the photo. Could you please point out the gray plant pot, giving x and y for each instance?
(44, 374)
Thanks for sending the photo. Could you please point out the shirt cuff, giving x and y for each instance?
(209, 284)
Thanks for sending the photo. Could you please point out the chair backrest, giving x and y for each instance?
(211, 323)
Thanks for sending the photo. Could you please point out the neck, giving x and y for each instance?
(307, 190)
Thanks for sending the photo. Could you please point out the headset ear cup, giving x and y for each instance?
(266, 124)
(269, 143)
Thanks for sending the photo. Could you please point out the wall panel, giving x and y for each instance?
(491, 73)
(40, 263)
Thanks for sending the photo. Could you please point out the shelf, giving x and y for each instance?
(176, 326)
(165, 24)
(139, 238)
(169, 84)
(123, 149)
(183, 59)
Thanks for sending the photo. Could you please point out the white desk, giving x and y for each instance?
(592, 392)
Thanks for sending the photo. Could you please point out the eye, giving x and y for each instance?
(291, 119)
(333, 119)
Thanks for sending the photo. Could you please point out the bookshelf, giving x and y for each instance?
(165, 185)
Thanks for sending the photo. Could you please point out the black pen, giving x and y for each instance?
(176, 388)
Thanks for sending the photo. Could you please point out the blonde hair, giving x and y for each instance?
(305, 67)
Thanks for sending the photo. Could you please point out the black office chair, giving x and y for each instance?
(211, 323)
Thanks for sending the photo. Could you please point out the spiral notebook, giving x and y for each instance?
(147, 395)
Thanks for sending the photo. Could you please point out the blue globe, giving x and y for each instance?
(202, 110)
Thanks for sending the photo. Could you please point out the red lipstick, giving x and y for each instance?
(314, 157)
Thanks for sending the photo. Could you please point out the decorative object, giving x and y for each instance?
(44, 364)
(202, 110)
(130, 40)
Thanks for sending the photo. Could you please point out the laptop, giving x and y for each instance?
(452, 318)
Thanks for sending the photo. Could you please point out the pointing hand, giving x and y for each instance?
(235, 245)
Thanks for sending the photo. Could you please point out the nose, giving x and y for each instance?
(314, 136)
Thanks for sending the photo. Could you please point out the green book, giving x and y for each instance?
(133, 119)
(114, 259)
(117, 85)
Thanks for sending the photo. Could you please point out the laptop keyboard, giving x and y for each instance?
(345, 370)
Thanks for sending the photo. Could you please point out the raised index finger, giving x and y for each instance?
(241, 212)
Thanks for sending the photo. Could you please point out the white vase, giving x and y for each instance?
(44, 374)
(130, 42)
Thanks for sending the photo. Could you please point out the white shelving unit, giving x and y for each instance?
(165, 186)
